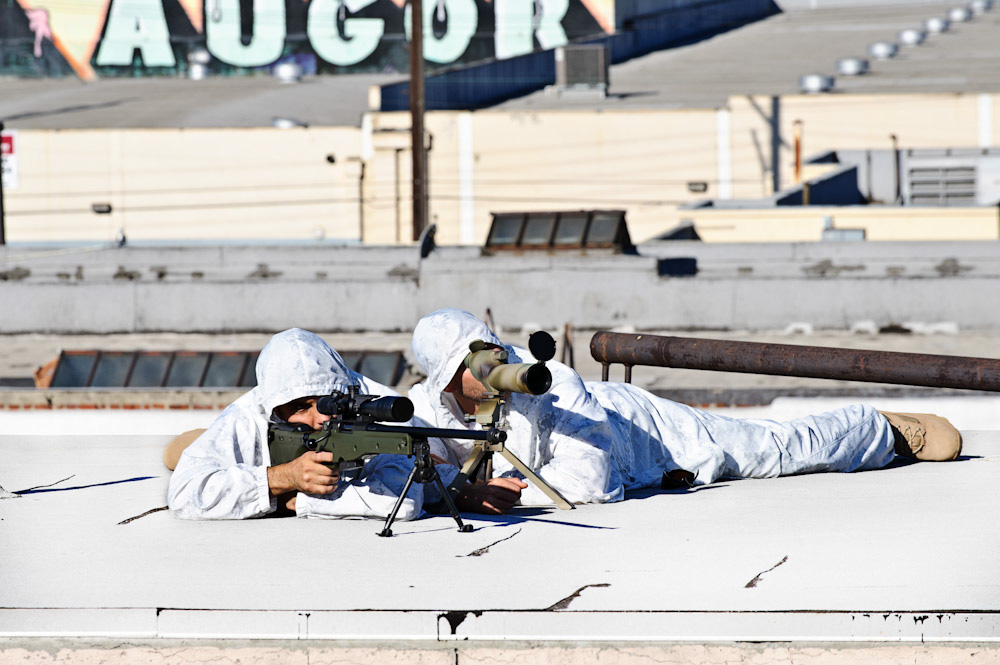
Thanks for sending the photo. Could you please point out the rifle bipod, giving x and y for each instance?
(423, 472)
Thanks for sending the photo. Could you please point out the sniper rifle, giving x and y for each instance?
(352, 434)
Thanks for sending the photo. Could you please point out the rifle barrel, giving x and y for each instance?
(492, 435)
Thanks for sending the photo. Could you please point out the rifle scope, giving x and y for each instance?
(385, 409)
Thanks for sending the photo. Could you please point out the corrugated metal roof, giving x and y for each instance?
(769, 56)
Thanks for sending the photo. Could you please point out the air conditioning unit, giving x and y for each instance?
(951, 177)
(582, 67)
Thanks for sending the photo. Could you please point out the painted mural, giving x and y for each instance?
(104, 38)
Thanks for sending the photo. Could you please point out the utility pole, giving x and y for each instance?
(417, 103)
(3, 237)
(775, 143)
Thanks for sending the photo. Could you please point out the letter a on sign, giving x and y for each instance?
(8, 159)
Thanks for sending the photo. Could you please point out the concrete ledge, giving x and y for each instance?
(546, 625)
(124, 399)
(826, 285)
(85, 652)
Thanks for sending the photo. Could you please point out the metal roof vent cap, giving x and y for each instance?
(980, 6)
(288, 72)
(286, 123)
(815, 83)
(912, 37)
(883, 50)
(960, 15)
(937, 25)
(198, 61)
(852, 66)
(199, 56)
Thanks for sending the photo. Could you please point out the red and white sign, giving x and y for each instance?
(8, 159)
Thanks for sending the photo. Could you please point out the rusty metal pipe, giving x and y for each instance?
(914, 369)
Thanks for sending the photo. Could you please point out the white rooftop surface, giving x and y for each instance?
(904, 554)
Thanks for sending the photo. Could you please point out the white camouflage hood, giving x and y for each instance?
(297, 363)
(441, 342)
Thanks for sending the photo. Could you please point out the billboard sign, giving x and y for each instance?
(8, 158)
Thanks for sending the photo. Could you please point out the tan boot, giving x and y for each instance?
(924, 436)
(176, 446)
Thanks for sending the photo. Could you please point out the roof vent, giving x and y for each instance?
(288, 72)
(572, 230)
(198, 61)
(959, 15)
(937, 25)
(980, 6)
(814, 83)
(912, 37)
(852, 66)
(286, 123)
(883, 50)
(91, 368)
(200, 56)
(583, 66)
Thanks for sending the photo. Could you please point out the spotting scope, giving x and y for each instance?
(489, 366)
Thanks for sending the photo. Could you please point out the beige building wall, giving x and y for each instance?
(880, 223)
(272, 184)
(166, 184)
(493, 161)
(831, 122)
(642, 161)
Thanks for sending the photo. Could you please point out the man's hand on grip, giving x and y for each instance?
(306, 473)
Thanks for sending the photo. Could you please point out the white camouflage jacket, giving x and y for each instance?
(223, 474)
(591, 441)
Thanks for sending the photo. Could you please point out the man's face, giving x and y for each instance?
(467, 390)
(302, 411)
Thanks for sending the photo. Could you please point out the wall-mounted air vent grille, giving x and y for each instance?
(944, 186)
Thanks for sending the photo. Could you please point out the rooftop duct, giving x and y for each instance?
(980, 6)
